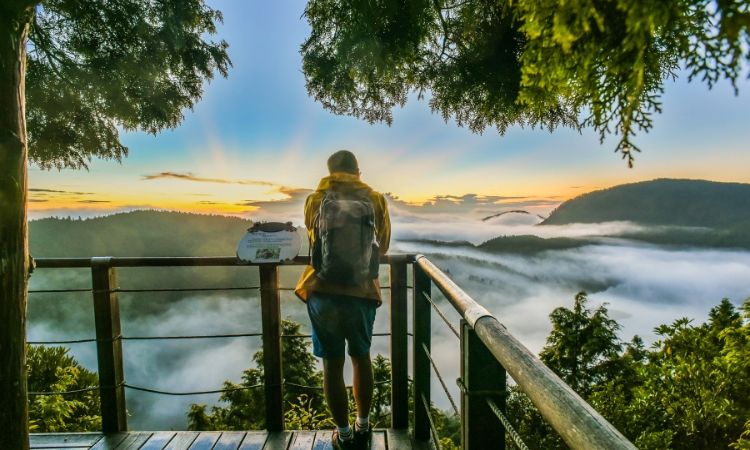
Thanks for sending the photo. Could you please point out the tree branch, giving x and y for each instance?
(444, 25)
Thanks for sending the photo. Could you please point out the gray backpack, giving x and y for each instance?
(345, 249)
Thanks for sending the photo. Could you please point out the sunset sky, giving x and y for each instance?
(256, 143)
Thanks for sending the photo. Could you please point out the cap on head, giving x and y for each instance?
(343, 161)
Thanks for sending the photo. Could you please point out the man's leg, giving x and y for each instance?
(329, 344)
(335, 390)
(363, 384)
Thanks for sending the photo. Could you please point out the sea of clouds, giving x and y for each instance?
(642, 285)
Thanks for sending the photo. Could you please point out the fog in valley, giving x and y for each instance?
(643, 286)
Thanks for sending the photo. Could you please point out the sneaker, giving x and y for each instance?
(341, 444)
(363, 437)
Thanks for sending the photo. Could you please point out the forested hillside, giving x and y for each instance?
(694, 203)
(137, 233)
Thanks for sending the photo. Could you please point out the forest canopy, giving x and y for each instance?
(589, 63)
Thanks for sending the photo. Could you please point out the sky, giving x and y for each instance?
(256, 143)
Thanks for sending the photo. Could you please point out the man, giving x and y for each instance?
(343, 310)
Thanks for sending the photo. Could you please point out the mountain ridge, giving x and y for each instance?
(663, 201)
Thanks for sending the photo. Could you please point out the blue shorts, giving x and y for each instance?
(337, 319)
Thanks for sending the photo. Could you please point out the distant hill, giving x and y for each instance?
(528, 244)
(693, 203)
(137, 233)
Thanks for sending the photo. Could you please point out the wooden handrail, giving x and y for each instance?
(181, 261)
(580, 426)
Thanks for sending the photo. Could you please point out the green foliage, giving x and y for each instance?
(360, 59)
(541, 63)
(51, 369)
(246, 407)
(688, 391)
(581, 345)
(448, 427)
(302, 414)
(94, 68)
(694, 382)
(743, 443)
(380, 413)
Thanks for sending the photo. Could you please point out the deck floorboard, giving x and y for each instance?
(214, 440)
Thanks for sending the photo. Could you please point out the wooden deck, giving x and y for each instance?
(215, 440)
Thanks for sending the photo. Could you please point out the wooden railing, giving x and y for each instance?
(487, 351)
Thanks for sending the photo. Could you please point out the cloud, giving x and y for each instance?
(455, 215)
(643, 285)
(469, 205)
(94, 201)
(41, 191)
(283, 210)
(476, 231)
(189, 176)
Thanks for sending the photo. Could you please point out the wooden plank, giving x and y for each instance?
(254, 440)
(205, 440)
(134, 441)
(303, 440)
(399, 347)
(378, 440)
(158, 440)
(398, 439)
(278, 440)
(271, 324)
(64, 440)
(108, 346)
(182, 440)
(110, 441)
(323, 440)
(229, 440)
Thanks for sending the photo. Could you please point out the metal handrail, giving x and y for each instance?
(580, 426)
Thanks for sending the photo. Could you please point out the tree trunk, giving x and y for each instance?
(14, 250)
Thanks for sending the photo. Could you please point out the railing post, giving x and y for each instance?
(271, 323)
(422, 339)
(108, 346)
(482, 377)
(399, 347)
